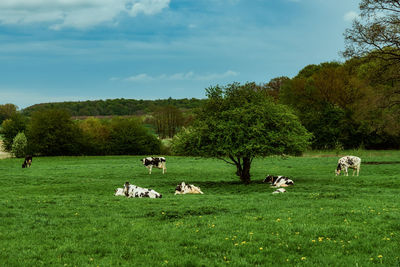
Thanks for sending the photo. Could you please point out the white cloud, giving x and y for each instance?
(350, 16)
(74, 13)
(143, 77)
(139, 77)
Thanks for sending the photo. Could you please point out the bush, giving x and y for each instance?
(130, 137)
(10, 128)
(53, 133)
(19, 145)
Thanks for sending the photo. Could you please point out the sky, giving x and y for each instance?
(77, 50)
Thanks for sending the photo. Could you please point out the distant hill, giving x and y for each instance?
(112, 107)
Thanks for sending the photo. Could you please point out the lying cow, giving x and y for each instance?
(131, 190)
(187, 189)
(119, 192)
(157, 162)
(279, 190)
(27, 162)
(346, 162)
(278, 181)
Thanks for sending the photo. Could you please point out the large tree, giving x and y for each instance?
(239, 123)
(376, 35)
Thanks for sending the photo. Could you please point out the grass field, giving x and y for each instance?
(62, 212)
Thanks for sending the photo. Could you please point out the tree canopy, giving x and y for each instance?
(238, 123)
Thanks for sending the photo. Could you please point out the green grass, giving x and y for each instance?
(62, 212)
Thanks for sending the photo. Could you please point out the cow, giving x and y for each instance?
(27, 162)
(278, 181)
(279, 190)
(346, 162)
(119, 192)
(157, 162)
(131, 190)
(187, 189)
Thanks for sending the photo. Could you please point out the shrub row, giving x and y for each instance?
(52, 133)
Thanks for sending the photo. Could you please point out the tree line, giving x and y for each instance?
(53, 132)
(115, 107)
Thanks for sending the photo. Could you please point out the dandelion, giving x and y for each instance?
(162, 212)
(303, 258)
(380, 256)
(213, 225)
(313, 241)
(236, 244)
(91, 259)
(297, 233)
(278, 220)
(243, 242)
(320, 239)
(261, 248)
(197, 230)
(166, 261)
(371, 259)
(226, 238)
(250, 233)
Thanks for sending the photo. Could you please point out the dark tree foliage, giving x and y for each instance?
(52, 133)
(10, 128)
(239, 123)
(129, 137)
(340, 104)
(119, 107)
(7, 111)
(376, 35)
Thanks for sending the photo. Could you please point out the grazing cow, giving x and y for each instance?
(278, 181)
(157, 162)
(346, 162)
(187, 189)
(27, 162)
(279, 190)
(119, 192)
(131, 190)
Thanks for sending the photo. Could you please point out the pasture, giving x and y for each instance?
(62, 212)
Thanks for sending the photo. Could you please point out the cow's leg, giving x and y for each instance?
(358, 170)
(347, 171)
(150, 167)
(164, 169)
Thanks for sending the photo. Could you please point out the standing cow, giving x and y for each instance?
(27, 162)
(346, 162)
(156, 162)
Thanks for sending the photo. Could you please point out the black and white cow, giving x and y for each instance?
(187, 189)
(156, 162)
(131, 190)
(278, 181)
(346, 162)
(27, 162)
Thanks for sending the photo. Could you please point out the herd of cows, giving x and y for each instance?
(130, 190)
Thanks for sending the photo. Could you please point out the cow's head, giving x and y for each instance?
(338, 169)
(269, 179)
(179, 188)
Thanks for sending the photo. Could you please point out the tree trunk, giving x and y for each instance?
(243, 169)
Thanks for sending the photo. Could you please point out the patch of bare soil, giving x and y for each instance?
(3, 154)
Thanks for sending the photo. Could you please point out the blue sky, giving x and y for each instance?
(63, 50)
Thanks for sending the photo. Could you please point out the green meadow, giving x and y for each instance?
(62, 212)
